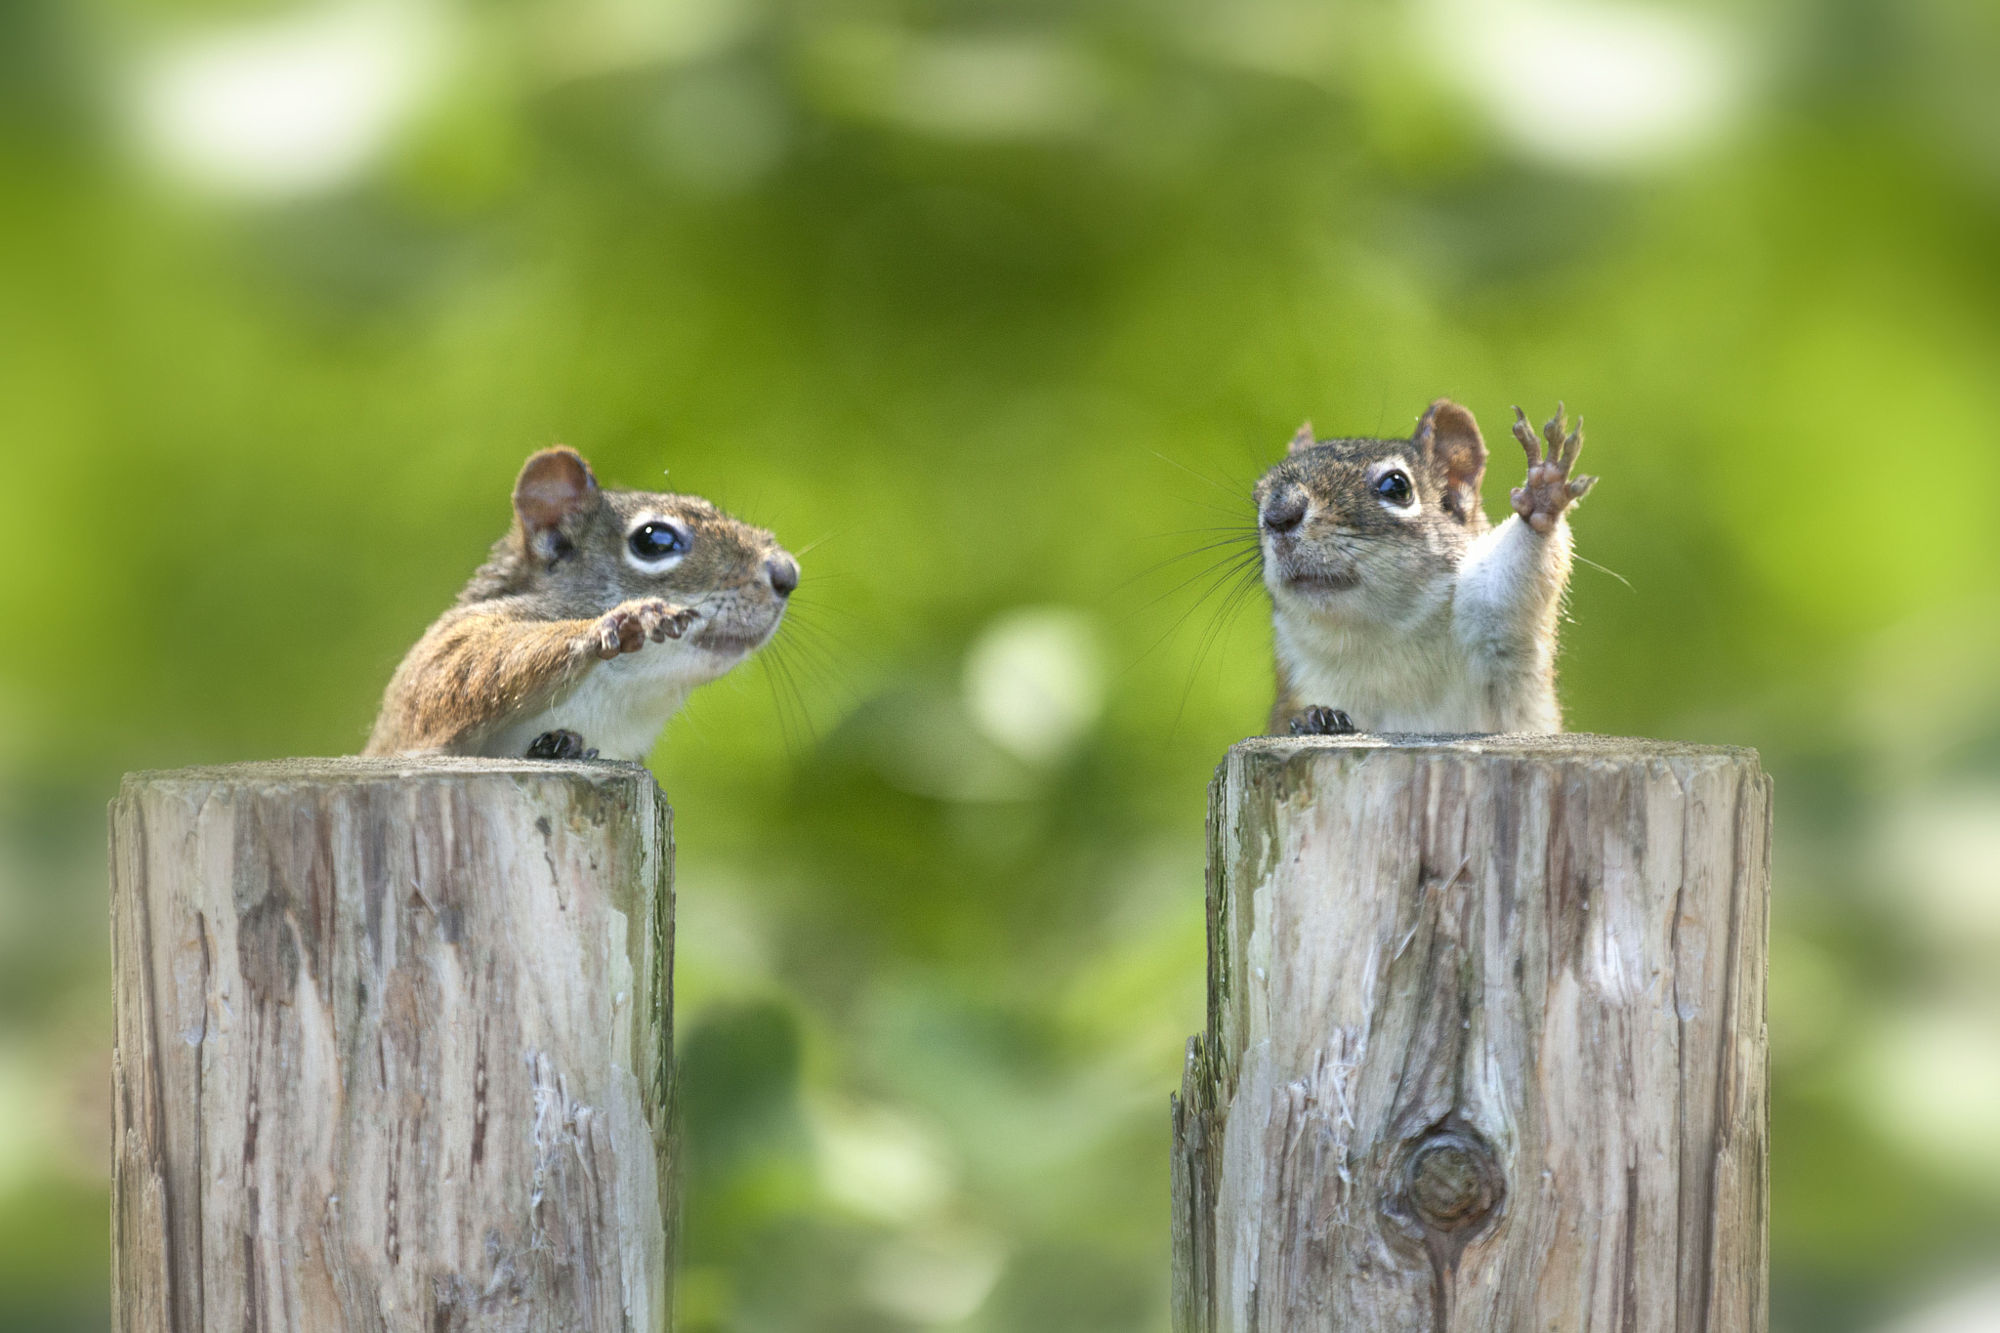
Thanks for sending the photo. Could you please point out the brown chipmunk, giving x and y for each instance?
(588, 624)
(1395, 606)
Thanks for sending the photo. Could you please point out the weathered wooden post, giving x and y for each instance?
(1485, 1043)
(392, 1047)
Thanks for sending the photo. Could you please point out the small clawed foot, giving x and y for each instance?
(1319, 721)
(675, 625)
(1550, 488)
(561, 743)
(625, 629)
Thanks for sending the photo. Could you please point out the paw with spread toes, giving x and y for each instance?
(1321, 721)
(626, 627)
(561, 743)
(1549, 489)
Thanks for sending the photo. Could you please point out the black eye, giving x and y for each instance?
(1394, 487)
(655, 540)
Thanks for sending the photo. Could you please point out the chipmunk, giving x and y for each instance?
(588, 624)
(1395, 606)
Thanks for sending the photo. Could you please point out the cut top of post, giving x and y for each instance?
(354, 769)
(1553, 745)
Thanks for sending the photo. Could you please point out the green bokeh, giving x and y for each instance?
(989, 307)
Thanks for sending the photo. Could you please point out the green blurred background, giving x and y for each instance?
(995, 311)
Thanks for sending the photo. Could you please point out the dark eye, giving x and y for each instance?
(655, 540)
(1394, 487)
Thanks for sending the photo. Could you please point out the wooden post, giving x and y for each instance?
(1485, 1043)
(392, 1047)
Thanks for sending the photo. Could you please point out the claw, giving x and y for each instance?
(1580, 487)
(1525, 433)
(1553, 431)
(1573, 446)
(559, 744)
(1322, 721)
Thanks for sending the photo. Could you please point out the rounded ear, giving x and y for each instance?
(1302, 438)
(554, 485)
(1449, 437)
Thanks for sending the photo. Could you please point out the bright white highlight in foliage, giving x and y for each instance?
(1592, 86)
(936, 1275)
(287, 106)
(1973, 1311)
(1929, 1078)
(1941, 859)
(1034, 681)
(877, 1163)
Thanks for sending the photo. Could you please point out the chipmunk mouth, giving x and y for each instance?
(1316, 578)
(733, 638)
(1322, 580)
(1307, 572)
(731, 643)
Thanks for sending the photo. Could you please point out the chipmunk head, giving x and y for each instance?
(1358, 530)
(585, 549)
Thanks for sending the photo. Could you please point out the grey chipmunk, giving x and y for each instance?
(1395, 605)
(588, 625)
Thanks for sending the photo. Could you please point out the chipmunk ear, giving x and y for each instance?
(555, 484)
(1449, 437)
(1302, 438)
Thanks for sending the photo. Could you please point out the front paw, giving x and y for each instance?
(1550, 489)
(1320, 721)
(561, 743)
(626, 627)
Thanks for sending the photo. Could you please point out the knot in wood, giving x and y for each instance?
(1452, 1181)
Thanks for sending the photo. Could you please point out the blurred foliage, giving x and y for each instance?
(994, 312)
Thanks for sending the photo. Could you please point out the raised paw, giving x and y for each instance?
(1550, 488)
(1319, 721)
(561, 743)
(677, 624)
(626, 627)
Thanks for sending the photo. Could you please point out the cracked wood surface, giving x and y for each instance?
(392, 1047)
(1485, 1045)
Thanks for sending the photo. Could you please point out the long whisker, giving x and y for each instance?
(1256, 554)
(823, 667)
(787, 702)
(1584, 559)
(1236, 492)
(818, 638)
(1219, 622)
(1221, 574)
(1196, 532)
(785, 669)
(1227, 543)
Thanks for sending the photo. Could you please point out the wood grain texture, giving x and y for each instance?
(392, 1047)
(1486, 1044)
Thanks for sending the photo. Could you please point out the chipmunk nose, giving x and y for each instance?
(783, 571)
(1284, 509)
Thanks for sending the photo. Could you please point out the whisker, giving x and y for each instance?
(1223, 573)
(820, 637)
(1218, 625)
(1228, 543)
(1606, 569)
(1245, 528)
(1235, 491)
(1233, 562)
(787, 703)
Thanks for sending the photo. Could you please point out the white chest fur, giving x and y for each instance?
(1478, 657)
(619, 707)
(1407, 679)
